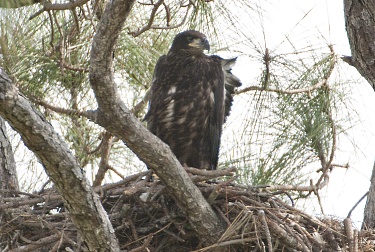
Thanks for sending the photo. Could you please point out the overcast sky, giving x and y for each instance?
(324, 20)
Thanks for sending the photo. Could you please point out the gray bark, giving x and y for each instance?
(8, 173)
(113, 115)
(369, 212)
(360, 23)
(82, 202)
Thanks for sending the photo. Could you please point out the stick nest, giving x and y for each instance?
(146, 218)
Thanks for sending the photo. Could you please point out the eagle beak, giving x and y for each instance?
(201, 43)
(205, 44)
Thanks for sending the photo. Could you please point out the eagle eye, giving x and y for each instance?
(190, 38)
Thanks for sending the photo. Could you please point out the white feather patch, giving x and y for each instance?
(170, 109)
(212, 97)
(172, 90)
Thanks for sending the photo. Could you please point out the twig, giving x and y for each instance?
(150, 20)
(109, 167)
(104, 158)
(211, 173)
(291, 241)
(280, 91)
(144, 245)
(168, 19)
(349, 234)
(225, 243)
(70, 112)
(356, 204)
(140, 105)
(47, 6)
(122, 182)
(262, 219)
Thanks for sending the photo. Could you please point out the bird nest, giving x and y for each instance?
(146, 218)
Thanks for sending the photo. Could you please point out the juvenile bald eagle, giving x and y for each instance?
(191, 96)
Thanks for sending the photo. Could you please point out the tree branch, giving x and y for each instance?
(117, 119)
(39, 136)
(360, 22)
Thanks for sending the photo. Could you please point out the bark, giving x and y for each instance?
(8, 173)
(360, 23)
(113, 115)
(369, 212)
(39, 136)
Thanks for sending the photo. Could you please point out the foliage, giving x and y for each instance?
(280, 137)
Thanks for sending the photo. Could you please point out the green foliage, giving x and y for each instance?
(271, 137)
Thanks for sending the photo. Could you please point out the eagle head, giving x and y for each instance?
(190, 41)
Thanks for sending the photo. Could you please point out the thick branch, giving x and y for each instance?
(360, 23)
(39, 136)
(8, 173)
(116, 118)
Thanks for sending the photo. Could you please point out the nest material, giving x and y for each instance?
(146, 218)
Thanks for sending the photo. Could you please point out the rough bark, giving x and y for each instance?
(369, 212)
(360, 23)
(113, 115)
(8, 173)
(39, 136)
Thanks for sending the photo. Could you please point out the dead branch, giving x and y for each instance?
(168, 18)
(280, 91)
(104, 158)
(254, 220)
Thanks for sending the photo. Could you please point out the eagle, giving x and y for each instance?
(190, 98)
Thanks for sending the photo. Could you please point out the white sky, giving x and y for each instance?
(317, 20)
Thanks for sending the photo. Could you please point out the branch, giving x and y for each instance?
(103, 165)
(118, 119)
(168, 17)
(150, 20)
(47, 6)
(61, 166)
(69, 112)
(280, 91)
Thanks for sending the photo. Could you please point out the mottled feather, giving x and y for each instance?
(191, 96)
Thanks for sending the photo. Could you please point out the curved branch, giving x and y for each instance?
(61, 166)
(117, 119)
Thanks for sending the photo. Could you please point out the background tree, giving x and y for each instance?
(359, 25)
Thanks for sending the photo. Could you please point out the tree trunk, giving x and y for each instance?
(360, 23)
(83, 204)
(8, 173)
(369, 213)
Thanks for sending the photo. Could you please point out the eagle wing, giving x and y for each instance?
(157, 97)
(231, 82)
(223, 99)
